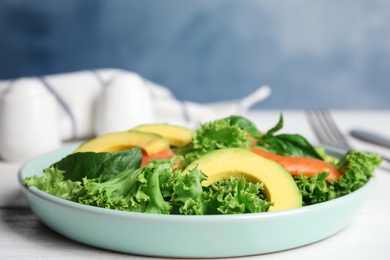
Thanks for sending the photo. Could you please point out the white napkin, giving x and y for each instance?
(91, 103)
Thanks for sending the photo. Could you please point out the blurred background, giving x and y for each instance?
(320, 53)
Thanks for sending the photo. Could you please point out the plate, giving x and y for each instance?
(188, 236)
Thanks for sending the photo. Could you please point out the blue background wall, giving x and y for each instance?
(312, 53)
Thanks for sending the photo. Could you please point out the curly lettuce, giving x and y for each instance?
(116, 180)
(218, 134)
(230, 196)
(237, 196)
(53, 182)
(157, 188)
(356, 167)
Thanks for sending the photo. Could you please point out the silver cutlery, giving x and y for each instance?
(327, 131)
(371, 137)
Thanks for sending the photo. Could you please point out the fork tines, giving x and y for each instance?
(325, 129)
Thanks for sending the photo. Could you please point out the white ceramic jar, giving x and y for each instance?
(124, 103)
(29, 123)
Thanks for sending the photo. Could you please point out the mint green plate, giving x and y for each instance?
(188, 236)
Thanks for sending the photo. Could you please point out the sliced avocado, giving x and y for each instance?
(148, 142)
(177, 136)
(279, 185)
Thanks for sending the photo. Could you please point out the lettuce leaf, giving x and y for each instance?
(132, 190)
(186, 193)
(52, 182)
(315, 189)
(218, 134)
(356, 167)
(237, 196)
(116, 181)
(230, 196)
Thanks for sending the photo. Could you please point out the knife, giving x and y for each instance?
(371, 137)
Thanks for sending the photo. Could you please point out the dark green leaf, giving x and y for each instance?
(287, 144)
(291, 145)
(245, 124)
(276, 128)
(98, 166)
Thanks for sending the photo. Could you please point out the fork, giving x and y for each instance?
(327, 131)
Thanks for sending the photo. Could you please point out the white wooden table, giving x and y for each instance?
(23, 236)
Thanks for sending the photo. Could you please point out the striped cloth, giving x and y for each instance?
(96, 102)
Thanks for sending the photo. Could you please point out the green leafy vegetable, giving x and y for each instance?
(357, 168)
(315, 189)
(132, 190)
(218, 134)
(236, 196)
(156, 188)
(98, 166)
(246, 125)
(186, 193)
(287, 144)
(52, 181)
(231, 196)
(115, 180)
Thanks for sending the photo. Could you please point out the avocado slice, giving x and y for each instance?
(177, 136)
(279, 185)
(148, 142)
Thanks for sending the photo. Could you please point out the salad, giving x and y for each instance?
(227, 166)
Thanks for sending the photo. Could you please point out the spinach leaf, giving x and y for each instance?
(98, 166)
(287, 144)
(245, 124)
